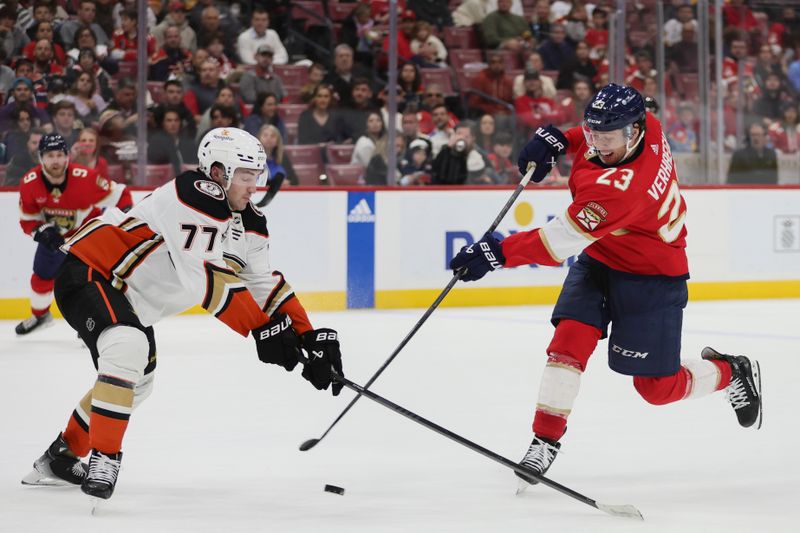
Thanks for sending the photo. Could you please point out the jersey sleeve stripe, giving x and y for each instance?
(234, 262)
(564, 238)
(278, 297)
(218, 281)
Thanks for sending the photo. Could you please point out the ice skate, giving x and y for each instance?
(57, 467)
(102, 475)
(744, 390)
(33, 323)
(540, 455)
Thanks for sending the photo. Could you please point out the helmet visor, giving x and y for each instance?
(604, 141)
(250, 176)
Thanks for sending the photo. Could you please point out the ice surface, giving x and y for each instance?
(214, 449)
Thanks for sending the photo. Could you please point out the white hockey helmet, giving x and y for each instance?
(232, 148)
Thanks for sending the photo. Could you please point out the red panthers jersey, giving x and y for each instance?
(629, 217)
(83, 195)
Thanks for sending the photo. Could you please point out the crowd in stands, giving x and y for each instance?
(309, 79)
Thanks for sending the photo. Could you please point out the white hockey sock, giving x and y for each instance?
(704, 375)
(561, 381)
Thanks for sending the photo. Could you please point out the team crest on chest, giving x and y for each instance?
(210, 188)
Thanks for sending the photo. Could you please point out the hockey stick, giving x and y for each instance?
(273, 189)
(625, 511)
(310, 443)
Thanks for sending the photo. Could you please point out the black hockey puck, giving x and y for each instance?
(334, 489)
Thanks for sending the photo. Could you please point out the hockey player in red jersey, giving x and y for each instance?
(55, 198)
(197, 240)
(627, 223)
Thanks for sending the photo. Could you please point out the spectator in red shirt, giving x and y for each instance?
(494, 82)
(44, 59)
(124, 40)
(533, 108)
(738, 15)
(44, 30)
(405, 34)
(785, 133)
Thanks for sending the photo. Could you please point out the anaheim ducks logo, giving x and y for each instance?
(210, 188)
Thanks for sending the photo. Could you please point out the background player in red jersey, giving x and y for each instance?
(55, 198)
(626, 222)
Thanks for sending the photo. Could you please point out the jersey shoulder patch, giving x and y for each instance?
(254, 220)
(201, 194)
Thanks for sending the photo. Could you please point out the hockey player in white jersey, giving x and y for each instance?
(195, 240)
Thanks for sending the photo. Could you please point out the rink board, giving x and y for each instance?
(390, 248)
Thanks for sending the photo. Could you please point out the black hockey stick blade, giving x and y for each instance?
(310, 443)
(624, 511)
(274, 187)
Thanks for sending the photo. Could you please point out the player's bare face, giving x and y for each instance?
(612, 145)
(243, 186)
(54, 163)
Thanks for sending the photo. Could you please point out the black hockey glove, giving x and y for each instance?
(322, 346)
(478, 259)
(49, 236)
(277, 343)
(543, 149)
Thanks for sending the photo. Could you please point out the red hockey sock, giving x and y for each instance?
(663, 389)
(725, 373)
(569, 352)
(42, 295)
(77, 433)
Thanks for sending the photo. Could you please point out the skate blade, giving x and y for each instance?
(37, 479)
(757, 382)
(95, 505)
(522, 486)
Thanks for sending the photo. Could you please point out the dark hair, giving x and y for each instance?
(62, 104)
(216, 36)
(226, 111)
(130, 13)
(80, 31)
(31, 32)
(416, 83)
(92, 79)
(503, 137)
(360, 81)
(172, 82)
(17, 111)
(126, 83)
(260, 99)
(162, 111)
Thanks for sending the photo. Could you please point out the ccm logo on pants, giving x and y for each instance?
(629, 353)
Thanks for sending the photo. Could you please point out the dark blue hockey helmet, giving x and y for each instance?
(614, 107)
(52, 142)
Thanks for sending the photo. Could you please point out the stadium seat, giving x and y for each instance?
(339, 154)
(307, 174)
(313, 13)
(460, 37)
(459, 58)
(439, 76)
(155, 175)
(127, 69)
(345, 175)
(339, 11)
(116, 173)
(292, 74)
(304, 154)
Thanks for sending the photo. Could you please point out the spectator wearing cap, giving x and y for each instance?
(259, 33)
(343, 74)
(533, 108)
(87, 10)
(12, 38)
(125, 39)
(22, 94)
(417, 167)
(171, 145)
(405, 33)
(176, 16)
(503, 29)
(171, 59)
(63, 113)
(203, 92)
(493, 81)
(262, 79)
